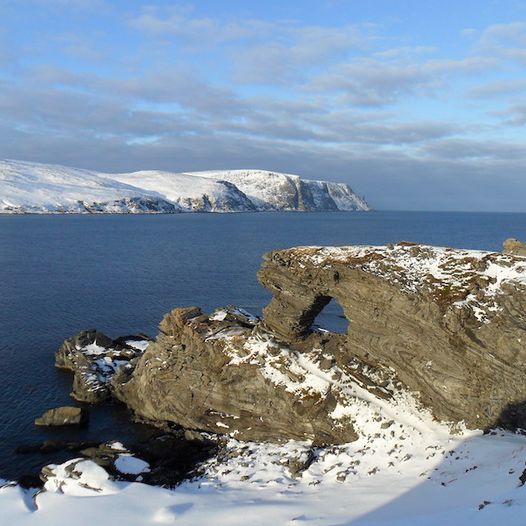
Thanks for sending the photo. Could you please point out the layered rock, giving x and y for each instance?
(450, 323)
(225, 374)
(446, 324)
(94, 358)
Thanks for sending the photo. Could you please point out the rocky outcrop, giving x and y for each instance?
(94, 358)
(63, 416)
(514, 246)
(446, 324)
(450, 323)
(225, 374)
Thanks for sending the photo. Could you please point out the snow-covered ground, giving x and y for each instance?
(407, 471)
(27, 187)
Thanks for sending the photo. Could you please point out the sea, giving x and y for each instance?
(60, 274)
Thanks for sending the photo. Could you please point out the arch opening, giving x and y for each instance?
(331, 318)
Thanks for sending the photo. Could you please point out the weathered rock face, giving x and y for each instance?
(94, 358)
(223, 373)
(62, 416)
(450, 323)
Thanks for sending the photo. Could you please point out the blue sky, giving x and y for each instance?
(417, 104)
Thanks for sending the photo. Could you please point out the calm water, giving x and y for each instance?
(120, 274)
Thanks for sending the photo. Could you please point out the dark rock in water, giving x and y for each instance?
(514, 246)
(52, 446)
(94, 358)
(63, 416)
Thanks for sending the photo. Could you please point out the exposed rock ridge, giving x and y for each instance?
(451, 323)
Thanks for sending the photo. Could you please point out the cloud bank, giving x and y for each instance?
(411, 123)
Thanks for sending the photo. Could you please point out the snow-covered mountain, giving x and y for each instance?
(41, 188)
(279, 191)
(27, 187)
(190, 193)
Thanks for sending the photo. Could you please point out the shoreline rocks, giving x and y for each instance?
(94, 358)
(63, 416)
(446, 325)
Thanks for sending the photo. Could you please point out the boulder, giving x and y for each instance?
(514, 246)
(63, 416)
(94, 358)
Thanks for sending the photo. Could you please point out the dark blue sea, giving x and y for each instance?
(120, 274)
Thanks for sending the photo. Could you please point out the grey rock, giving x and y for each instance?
(63, 416)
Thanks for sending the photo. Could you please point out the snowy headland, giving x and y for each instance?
(27, 187)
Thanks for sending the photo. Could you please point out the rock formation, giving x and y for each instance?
(514, 246)
(223, 373)
(62, 416)
(450, 323)
(446, 324)
(94, 358)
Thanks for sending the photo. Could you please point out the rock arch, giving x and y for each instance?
(447, 335)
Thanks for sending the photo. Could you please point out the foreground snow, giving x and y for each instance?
(27, 187)
(412, 471)
(474, 481)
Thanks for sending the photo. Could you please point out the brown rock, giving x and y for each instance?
(412, 309)
(514, 246)
(62, 416)
(215, 373)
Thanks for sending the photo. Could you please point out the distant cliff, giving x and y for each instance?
(40, 188)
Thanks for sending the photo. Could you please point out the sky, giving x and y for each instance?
(419, 105)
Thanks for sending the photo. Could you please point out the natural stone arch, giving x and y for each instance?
(332, 318)
(406, 319)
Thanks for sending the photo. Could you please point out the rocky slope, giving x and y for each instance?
(39, 188)
(278, 191)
